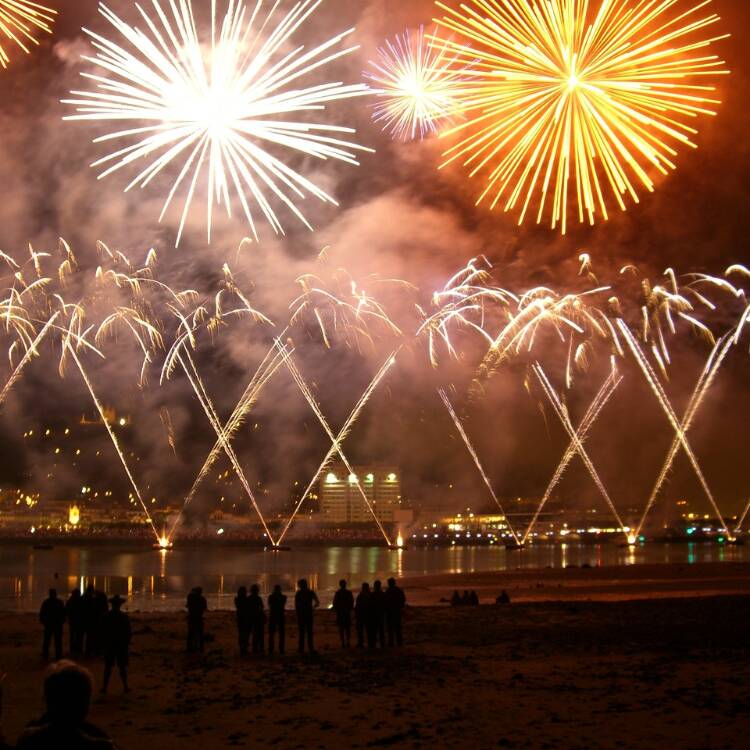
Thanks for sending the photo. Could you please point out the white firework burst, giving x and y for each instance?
(222, 106)
(415, 83)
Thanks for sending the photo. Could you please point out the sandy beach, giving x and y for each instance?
(582, 658)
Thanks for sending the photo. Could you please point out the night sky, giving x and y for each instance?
(398, 217)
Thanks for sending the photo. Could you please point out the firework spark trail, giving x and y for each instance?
(221, 106)
(577, 98)
(562, 413)
(112, 436)
(263, 374)
(17, 20)
(742, 518)
(706, 379)
(666, 405)
(205, 401)
(589, 419)
(343, 434)
(475, 457)
(31, 351)
(302, 385)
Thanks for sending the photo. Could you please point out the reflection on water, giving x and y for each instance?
(159, 580)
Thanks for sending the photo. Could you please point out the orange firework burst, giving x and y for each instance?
(578, 99)
(19, 19)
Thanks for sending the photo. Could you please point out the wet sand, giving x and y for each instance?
(654, 658)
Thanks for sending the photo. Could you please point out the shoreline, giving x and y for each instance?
(570, 674)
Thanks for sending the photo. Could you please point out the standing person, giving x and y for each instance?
(305, 603)
(90, 624)
(196, 607)
(76, 621)
(378, 612)
(343, 604)
(257, 618)
(395, 601)
(362, 614)
(244, 624)
(116, 636)
(277, 619)
(52, 617)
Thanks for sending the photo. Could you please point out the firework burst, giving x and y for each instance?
(415, 82)
(19, 20)
(572, 101)
(220, 107)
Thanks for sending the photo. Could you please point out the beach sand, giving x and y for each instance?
(645, 657)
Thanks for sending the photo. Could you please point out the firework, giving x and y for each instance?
(575, 438)
(589, 418)
(666, 405)
(336, 443)
(19, 20)
(706, 379)
(472, 452)
(216, 110)
(339, 439)
(415, 83)
(571, 101)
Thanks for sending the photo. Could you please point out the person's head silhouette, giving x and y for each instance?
(342, 584)
(254, 589)
(391, 583)
(277, 589)
(53, 593)
(116, 601)
(241, 592)
(302, 583)
(377, 585)
(67, 693)
(366, 587)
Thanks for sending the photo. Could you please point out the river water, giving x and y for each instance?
(158, 581)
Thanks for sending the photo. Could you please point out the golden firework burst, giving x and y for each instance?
(578, 100)
(19, 20)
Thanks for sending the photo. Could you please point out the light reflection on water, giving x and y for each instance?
(158, 580)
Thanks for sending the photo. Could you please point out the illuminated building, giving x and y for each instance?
(341, 494)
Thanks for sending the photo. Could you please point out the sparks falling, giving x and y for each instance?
(574, 103)
(211, 111)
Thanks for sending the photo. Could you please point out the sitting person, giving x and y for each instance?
(67, 694)
(503, 598)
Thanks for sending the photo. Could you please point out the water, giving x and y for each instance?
(158, 581)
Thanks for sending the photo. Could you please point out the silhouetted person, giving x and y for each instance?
(456, 599)
(473, 599)
(343, 605)
(116, 642)
(76, 621)
(395, 601)
(378, 613)
(52, 617)
(67, 694)
(94, 607)
(305, 603)
(503, 598)
(257, 618)
(196, 607)
(276, 619)
(465, 600)
(362, 614)
(244, 621)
